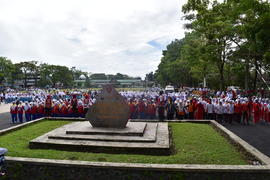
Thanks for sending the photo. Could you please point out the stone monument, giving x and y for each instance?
(110, 109)
(109, 130)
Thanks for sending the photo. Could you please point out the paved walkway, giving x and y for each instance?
(256, 135)
(4, 107)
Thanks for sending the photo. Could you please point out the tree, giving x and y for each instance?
(172, 53)
(215, 28)
(6, 69)
(150, 77)
(98, 76)
(29, 69)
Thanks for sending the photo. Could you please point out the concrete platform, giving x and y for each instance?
(153, 140)
(132, 129)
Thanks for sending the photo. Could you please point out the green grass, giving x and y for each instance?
(194, 144)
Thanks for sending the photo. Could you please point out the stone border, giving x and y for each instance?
(206, 170)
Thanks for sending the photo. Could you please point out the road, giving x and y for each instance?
(5, 120)
(256, 135)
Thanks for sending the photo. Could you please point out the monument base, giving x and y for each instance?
(137, 137)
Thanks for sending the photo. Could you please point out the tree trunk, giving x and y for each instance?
(255, 76)
(246, 74)
(221, 75)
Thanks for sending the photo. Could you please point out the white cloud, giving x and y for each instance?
(124, 36)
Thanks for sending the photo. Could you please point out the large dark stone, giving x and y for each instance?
(110, 109)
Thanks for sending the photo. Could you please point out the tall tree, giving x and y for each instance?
(6, 68)
(29, 69)
(214, 27)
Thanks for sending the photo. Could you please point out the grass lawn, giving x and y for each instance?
(194, 144)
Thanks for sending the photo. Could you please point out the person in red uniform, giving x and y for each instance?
(245, 112)
(237, 111)
(141, 109)
(151, 109)
(48, 106)
(34, 111)
(81, 110)
(55, 110)
(257, 111)
(199, 110)
(13, 112)
(20, 112)
(63, 110)
(41, 110)
(132, 109)
(70, 111)
(74, 104)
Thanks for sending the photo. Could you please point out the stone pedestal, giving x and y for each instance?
(137, 137)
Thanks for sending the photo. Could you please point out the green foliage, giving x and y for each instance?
(223, 35)
(55, 75)
(6, 69)
(194, 144)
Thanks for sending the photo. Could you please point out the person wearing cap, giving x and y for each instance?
(81, 109)
(48, 106)
(190, 107)
(34, 111)
(199, 111)
(20, 112)
(219, 112)
(63, 110)
(180, 110)
(132, 109)
(141, 109)
(170, 108)
(152, 109)
(40, 110)
(231, 111)
(13, 112)
(210, 110)
(74, 105)
(161, 106)
(237, 111)
(256, 111)
(27, 111)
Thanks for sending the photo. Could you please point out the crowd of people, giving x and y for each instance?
(222, 106)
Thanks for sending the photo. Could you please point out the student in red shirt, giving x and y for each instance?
(20, 112)
(141, 109)
(81, 110)
(152, 110)
(13, 112)
(41, 111)
(245, 112)
(34, 111)
(132, 109)
(256, 110)
(63, 110)
(48, 106)
(199, 111)
(237, 111)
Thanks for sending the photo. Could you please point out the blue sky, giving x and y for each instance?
(125, 36)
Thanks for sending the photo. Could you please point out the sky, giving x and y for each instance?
(97, 36)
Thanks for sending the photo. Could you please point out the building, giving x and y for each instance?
(120, 83)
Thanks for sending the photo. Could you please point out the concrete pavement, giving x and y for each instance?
(4, 108)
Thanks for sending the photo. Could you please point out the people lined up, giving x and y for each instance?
(152, 104)
(21, 112)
